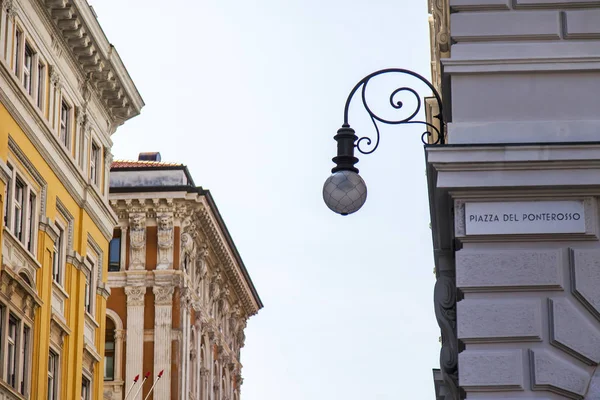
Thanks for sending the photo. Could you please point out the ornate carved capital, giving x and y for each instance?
(55, 78)
(163, 295)
(204, 372)
(135, 295)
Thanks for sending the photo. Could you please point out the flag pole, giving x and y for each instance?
(152, 388)
(142, 385)
(137, 377)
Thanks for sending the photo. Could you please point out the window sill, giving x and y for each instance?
(9, 393)
(90, 318)
(59, 289)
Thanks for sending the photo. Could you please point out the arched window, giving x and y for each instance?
(109, 351)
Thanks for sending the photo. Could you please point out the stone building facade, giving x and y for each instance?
(180, 293)
(514, 198)
(63, 93)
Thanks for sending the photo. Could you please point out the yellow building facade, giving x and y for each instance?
(63, 93)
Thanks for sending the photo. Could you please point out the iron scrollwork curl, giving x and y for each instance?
(432, 134)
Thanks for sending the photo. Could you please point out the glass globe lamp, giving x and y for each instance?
(344, 192)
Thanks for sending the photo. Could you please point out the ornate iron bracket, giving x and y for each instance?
(397, 104)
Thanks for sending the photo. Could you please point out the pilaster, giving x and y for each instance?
(163, 306)
(135, 333)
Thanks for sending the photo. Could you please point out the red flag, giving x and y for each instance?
(136, 378)
(147, 375)
(160, 373)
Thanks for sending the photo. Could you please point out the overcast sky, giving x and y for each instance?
(248, 94)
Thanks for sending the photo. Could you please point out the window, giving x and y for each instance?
(114, 255)
(11, 359)
(109, 351)
(25, 359)
(18, 38)
(94, 163)
(85, 389)
(18, 205)
(27, 68)
(7, 194)
(89, 290)
(41, 85)
(52, 375)
(31, 222)
(57, 260)
(65, 124)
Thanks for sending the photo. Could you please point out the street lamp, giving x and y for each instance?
(345, 191)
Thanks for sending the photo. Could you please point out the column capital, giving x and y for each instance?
(135, 295)
(163, 295)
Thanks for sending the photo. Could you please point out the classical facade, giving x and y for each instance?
(514, 198)
(180, 293)
(63, 93)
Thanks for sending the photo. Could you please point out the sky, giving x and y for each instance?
(249, 94)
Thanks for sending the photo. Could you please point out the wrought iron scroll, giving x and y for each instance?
(444, 298)
(432, 134)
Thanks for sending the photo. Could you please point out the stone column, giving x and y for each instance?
(163, 306)
(10, 11)
(3, 13)
(185, 344)
(108, 157)
(135, 333)
(123, 255)
(118, 354)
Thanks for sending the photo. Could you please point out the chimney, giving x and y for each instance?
(149, 156)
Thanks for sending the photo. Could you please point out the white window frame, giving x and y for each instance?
(65, 123)
(10, 363)
(95, 162)
(18, 49)
(28, 68)
(90, 286)
(59, 256)
(40, 88)
(86, 388)
(28, 217)
(53, 376)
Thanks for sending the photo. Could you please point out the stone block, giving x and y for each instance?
(523, 25)
(556, 3)
(509, 270)
(552, 373)
(466, 5)
(585, 278)
(573, 332)
(491, 370)
(499, 320)
(582, 24)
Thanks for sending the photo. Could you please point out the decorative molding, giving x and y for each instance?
(39, 179)
(165, 240)
(135, 295)
(137, 240)
(163, 295)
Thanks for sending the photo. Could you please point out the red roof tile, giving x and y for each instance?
(142, 164)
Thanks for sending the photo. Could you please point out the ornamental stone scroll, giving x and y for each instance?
(137, 240)
(163, 295)
(165, 241)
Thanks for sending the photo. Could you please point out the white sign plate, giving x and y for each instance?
(524, 217)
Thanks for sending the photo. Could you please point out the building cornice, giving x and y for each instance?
(98, 60)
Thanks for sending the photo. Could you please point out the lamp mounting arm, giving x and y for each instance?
(432, 134)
